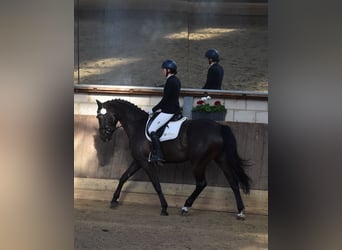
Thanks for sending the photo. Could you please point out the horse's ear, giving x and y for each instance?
(99, 104)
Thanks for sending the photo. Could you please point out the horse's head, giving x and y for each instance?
(107, 121)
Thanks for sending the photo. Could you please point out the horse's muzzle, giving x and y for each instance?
(106, 134)
(105, 138)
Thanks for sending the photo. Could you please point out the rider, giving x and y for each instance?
(215, 70)
(169, 106)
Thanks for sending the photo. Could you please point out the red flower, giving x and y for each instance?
(217, 103)
(200, 102)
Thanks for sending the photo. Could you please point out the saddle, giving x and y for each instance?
(170, 130)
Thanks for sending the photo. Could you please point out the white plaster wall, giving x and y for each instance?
(238, 110)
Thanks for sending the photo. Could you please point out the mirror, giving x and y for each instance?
(124, 42)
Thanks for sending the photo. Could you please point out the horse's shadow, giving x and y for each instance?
(104, 150)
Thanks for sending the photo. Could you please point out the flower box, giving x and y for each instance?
(204, 110)
(217, 116)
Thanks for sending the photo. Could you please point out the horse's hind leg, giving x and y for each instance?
(132, 169)
(201, 183)
(234, 184)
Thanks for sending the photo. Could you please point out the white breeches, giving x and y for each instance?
(160, 120)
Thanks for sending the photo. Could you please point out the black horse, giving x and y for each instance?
(199, 141)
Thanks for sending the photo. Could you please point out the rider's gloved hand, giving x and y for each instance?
(150, 112)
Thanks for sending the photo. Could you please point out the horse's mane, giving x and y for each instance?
(127, 103)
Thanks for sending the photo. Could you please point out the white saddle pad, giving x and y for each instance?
(171, 131)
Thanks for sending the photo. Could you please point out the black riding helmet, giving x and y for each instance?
(212, 54)
(171, 65)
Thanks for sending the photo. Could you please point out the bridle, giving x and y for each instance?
(108, 123)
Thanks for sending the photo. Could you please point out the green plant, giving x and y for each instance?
(205, 107)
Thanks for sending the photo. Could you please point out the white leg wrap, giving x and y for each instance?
(185, 209)
(241, 214)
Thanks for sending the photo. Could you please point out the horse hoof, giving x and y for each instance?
(114, 204)
(184, 211)
(241, 216)
(164, 213)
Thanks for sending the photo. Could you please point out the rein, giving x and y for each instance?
(130, 122)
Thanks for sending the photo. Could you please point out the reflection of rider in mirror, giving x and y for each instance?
(169, 105)
(215, 71)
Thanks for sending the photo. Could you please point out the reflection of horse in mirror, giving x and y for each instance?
(199, 141)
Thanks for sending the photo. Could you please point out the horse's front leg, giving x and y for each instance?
(150, 171)
(132, 169)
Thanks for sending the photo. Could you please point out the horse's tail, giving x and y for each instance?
(234, 161)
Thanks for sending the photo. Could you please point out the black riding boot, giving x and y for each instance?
(156, 154)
